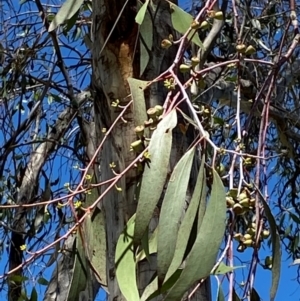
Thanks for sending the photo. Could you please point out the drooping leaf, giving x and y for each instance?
(235, 297)
(152, 290)
(125, 263)
(155, 174)
(43, 281)
(254, 295)
(182, 21)
(171, 212)
(223, 269)
(95, 235)
(146, 42)
(17, 278)
(187, 222)
(66, 12)
(141, 13)
(207, 243)
(139, 104)
(276, 250)
(220, 296)
(152, 246)
(202, 204)
(34, 295)
(79, 275)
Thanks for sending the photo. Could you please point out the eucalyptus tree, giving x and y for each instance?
(173, 127)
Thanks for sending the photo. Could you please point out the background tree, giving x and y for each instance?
(235, 98)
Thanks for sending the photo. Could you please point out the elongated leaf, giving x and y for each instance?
(66, 12)
(79, 276)
(152, 290)
(152, 246)
(141, 13)
(276, 251)
(95, 236)
(254, 295)
(125, 263)
(223, 269)
(220, 296)
(235, 297)
(202, 205)
(207, 243)
(146, 42)
(182, 21)
(171, 212)
(139, 104)
(187, 223)
(154, 176)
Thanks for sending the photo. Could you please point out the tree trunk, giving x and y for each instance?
(115, 60)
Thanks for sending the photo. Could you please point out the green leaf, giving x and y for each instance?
(171, 212)
(207, 243)
(95, 235)
(66, 12)
(155, 174)
(254, 295)
(43, 281)
(294, 217)
(187, 222)
(220, 293)
(235, 297)
(182, 21)
(152, 290)
(34, 295)
(125, 263)
(17, 278)
(152, 246)
(70, 23)
(139, 104)
(141, 13)
(276, 250)
(223, 269)
(79, 275)
(146, 41)
(202, 205)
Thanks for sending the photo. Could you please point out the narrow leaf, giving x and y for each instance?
(152, 247)
(223, 269)
(146, 41)
(182, 21)
(187, 223)
(43, 281)
(171, 212)
(276, 250)
(66, 12)
(155, 174)
(152, 289)
(79, 276)
(139, 104)
(34, 295)
(220, 296)
(254, 295)
(141, 13)
(207, 243)
(125, 263)
(235, 297)
(95, 237)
